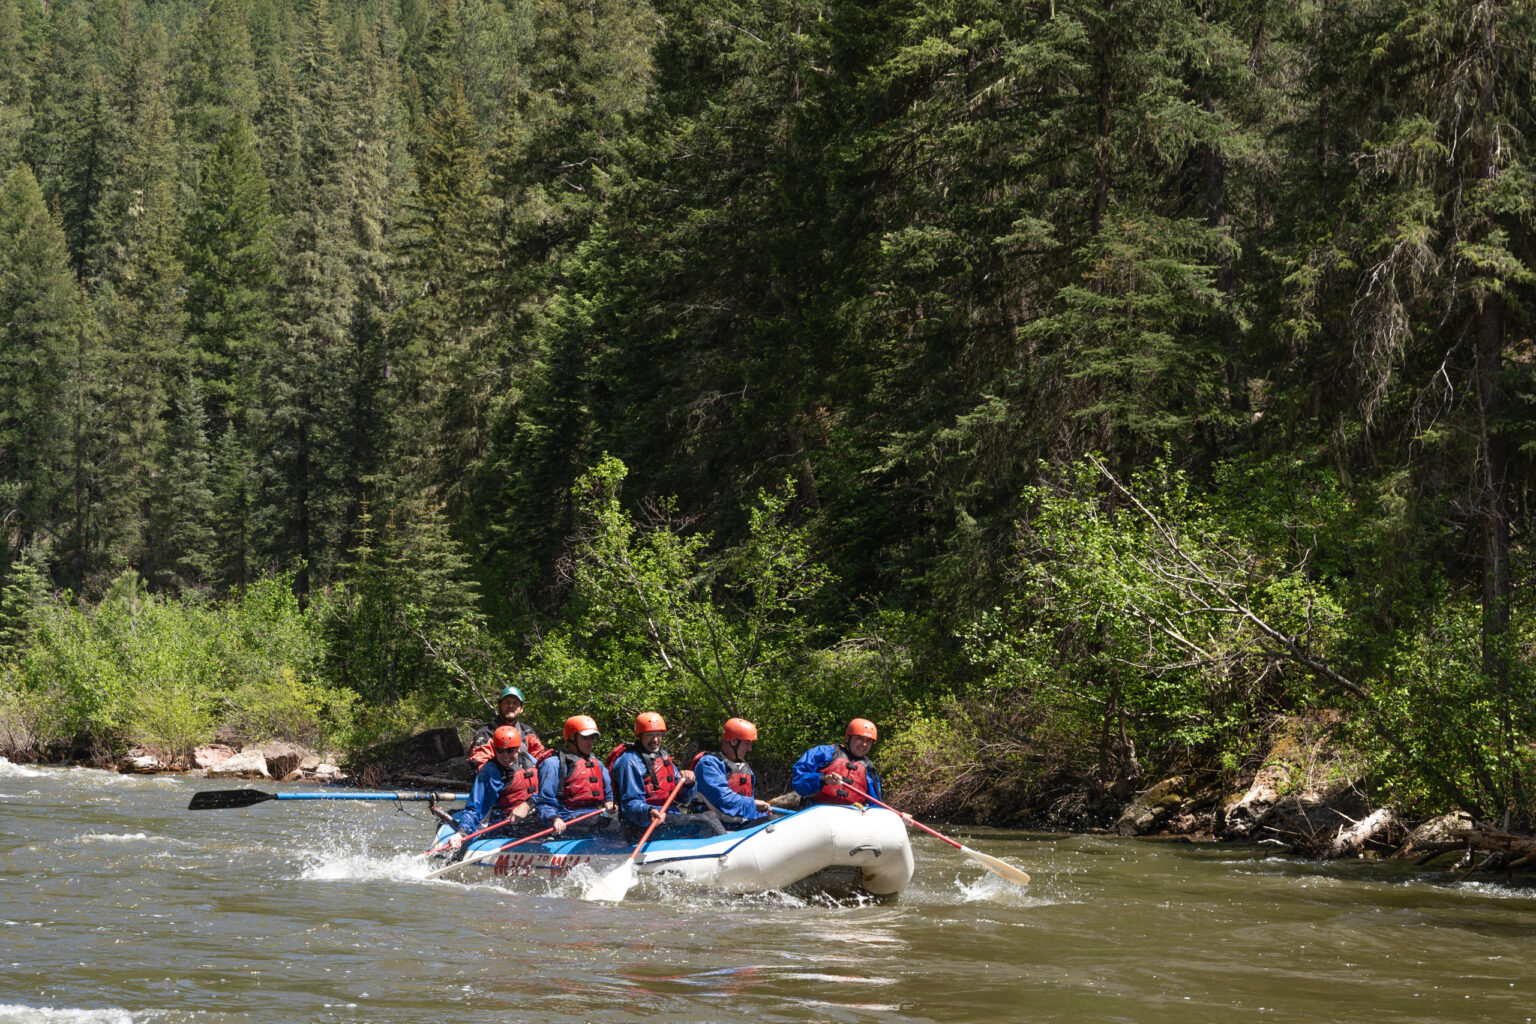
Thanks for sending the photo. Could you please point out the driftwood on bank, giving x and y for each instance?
(1350, 840)
(1514, 850)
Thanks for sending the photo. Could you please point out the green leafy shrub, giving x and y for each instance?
(141, 668)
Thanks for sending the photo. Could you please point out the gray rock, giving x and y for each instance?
(211, 754)
(283, 758)
(246, 764)
(1151, 806)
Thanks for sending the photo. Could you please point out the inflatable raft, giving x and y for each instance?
(820, 846)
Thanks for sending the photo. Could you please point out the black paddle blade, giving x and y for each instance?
(211, 799)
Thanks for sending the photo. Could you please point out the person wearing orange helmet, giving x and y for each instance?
(726, 785)
(573, 781)
(503, 790)
(645, 775)
(834, 772)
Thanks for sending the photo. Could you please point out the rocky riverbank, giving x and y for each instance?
(278, 760)
(1308, 797)
(437, 754)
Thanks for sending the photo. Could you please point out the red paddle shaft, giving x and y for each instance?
(882, 803)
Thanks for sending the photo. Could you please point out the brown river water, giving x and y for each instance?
(119, 905)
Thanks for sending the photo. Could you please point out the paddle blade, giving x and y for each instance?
(216, 799)
(615, 885)
(997, 867)
(474, 858)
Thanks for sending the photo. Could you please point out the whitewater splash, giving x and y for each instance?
(114, 837)
(361, 866)
(18, 1013)
(18, 771)
(989, 888)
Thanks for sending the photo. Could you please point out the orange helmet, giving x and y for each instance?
(579, 725)
(739, 729)
(649, 721)
(862, 727)
(506, 737)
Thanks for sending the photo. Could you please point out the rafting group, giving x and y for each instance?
(523, 786)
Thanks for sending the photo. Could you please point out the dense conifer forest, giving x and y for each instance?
(1073, 387)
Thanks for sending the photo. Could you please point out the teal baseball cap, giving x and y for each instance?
(511, 691)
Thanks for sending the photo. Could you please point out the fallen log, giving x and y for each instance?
(1350, 840)
(1490, 839)
(1504, 849)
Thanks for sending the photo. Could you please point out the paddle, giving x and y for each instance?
(616, 884)
(218, 799)
(487, 854)
(992, 864)
(473, 835)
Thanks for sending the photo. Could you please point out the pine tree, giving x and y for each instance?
(279, 127)
(307, 387)
(65, 144)
(136, 278)
(15, 82)
(443, 332)
(379, 178)
(40, 315)
(233, 485)
(23, 589)
(215, 84)
(179, 554)
(1416, 289)
(474, 46)
(231, 275)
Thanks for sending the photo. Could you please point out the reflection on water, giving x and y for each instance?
(117, 904)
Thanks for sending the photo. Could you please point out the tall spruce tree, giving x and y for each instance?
(65, 145)
(41, 309)
(379, 169)
(279, 126)
(234, 486)
(228, 251)
(15, 82)
(1416, 290)
(444, 337)
(136, 277)
(306, 382)
(179, 553)
(214, 82)
(587, 75)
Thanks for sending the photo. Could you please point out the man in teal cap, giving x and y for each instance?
(509, 708)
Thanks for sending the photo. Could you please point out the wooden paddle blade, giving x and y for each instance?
(997, 867)
(215, 799)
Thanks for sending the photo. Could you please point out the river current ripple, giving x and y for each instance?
(120, 906)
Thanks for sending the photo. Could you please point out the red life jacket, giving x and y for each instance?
(856, 770)
(518, 784)
(660, 771)
(583, 781)
(738, 774)
(661, 776)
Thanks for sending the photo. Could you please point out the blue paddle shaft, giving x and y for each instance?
(406, 795)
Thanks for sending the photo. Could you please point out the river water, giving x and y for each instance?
(118, 905)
